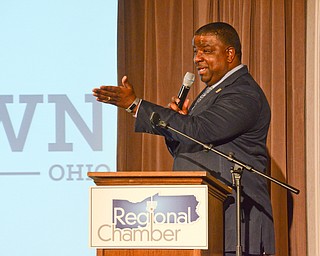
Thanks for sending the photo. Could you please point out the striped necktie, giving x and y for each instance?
(204, 93)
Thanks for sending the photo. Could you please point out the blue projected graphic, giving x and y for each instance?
(52, 130)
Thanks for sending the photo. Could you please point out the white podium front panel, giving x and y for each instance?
(173, 216)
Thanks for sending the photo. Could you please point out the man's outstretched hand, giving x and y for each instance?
(121, 96)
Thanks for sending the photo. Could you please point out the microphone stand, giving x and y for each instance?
(236, 172)
(236, 181)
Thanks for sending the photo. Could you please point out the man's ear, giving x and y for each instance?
(231, 53)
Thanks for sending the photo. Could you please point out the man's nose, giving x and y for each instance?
(197, 57)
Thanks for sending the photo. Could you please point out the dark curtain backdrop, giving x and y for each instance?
(154, 51)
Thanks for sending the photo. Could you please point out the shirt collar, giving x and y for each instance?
(229, 73)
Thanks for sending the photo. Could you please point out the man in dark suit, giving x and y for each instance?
(232, 114)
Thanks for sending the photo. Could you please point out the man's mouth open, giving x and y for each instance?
(201, 70)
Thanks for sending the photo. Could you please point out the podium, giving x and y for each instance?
(217, 193)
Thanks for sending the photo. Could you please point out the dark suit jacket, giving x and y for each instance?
(233, 117)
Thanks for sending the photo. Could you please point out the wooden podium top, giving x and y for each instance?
(159, 178)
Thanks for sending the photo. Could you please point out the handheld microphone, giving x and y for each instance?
(184, 90)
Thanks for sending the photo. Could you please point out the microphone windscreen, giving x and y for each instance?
(188, 79)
